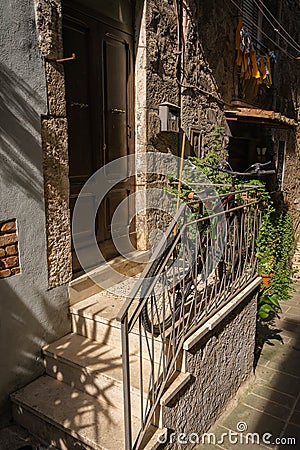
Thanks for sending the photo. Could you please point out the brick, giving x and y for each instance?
(2, 252)
(15, 270)
(11, 261)
(5, 273)
(11, 250)
(8, 239)
(8, 227)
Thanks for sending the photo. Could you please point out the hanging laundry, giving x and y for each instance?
(262, 68)
(268, 72)
(255, 71)
(251, 63)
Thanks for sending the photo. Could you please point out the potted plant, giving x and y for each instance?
(266, 266)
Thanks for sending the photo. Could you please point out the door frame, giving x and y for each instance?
(74, 12)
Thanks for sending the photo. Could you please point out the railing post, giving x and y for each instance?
(126, 383)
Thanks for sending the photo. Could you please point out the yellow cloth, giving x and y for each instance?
(255, 71)
(261, 71)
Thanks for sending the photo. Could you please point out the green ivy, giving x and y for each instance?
(275, 243)
(275, 247)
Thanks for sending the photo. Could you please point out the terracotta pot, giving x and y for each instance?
(266, 279)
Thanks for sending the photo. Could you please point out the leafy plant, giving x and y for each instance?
(275, 245)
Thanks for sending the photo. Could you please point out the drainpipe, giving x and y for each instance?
(180, 54)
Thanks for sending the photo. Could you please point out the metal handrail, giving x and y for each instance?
(126, 305)
(204, 296)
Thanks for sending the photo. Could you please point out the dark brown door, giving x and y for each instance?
(100, 114)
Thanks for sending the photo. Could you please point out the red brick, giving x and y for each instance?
(9, 227)
(15, 270)
(11, 261)
(2, 252)
(5, 273)
(11, 249)
(8, 239)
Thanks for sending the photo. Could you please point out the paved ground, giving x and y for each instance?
(271, 407)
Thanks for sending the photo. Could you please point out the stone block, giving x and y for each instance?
(11, 250)
(8, 227)
(55, 149)
(2, 252)
(8, 239)
(5, 273)
(56, 89)
(9, 262)
(15, 270)
(49, 26)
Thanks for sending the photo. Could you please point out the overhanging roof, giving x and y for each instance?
(260, 116)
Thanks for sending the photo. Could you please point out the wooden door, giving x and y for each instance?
(100, 114)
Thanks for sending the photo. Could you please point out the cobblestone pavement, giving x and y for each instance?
(271, 406)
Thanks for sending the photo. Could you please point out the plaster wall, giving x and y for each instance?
(220, 363)
(31, 313)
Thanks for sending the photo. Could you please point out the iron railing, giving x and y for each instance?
(199, 266)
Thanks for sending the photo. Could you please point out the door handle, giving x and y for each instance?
(118, 111)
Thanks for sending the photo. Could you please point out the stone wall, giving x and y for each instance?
(200, 75)
(189, 66)
(55, 145)
(220, 363)
(197, 74)
(291, 179)
(9, 250)
(288, 102)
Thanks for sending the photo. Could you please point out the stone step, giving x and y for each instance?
(95, 318)
(156, 438)
(103, 277)
(96, 369)
(66, 417)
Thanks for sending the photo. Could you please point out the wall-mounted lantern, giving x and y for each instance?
(261, 151)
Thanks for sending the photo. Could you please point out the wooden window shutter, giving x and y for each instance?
(250, 16)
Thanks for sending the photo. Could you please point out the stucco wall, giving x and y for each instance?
(220, 363)
(31, 314)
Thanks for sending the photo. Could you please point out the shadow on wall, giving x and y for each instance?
(88, 366)
(20, 134)
(22, 332)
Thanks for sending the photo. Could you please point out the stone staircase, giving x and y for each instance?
(78, 403)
